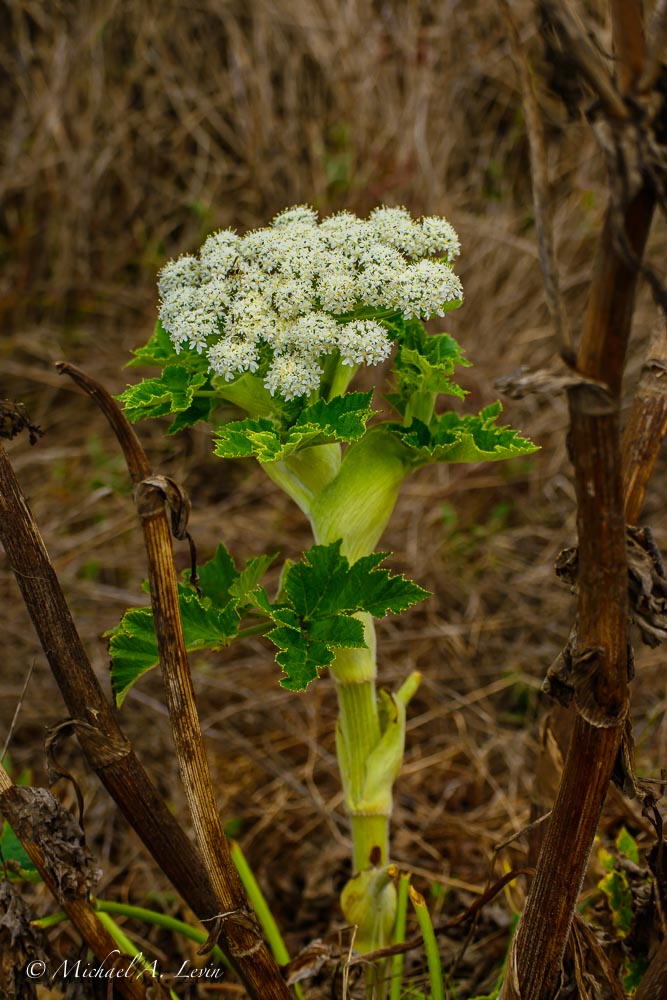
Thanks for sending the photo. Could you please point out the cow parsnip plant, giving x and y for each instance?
(277, 322)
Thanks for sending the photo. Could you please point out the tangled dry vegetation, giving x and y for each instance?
(132, 130)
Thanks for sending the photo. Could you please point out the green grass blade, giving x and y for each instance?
(430, 944)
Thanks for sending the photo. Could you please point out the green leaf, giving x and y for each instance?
(634, 970)
(300, 657)
(132, 650)
(423, 365)
(204, 626)
(627, 845)
(200, 410)
(616, 888)
(315, 614)
(173, 392)
(306, 647)
(245, 438)
(343, 418)
(159, 350)
(451, 437)
(325, 583)
(209, 622)
(217, 576)
(11, 849)
(248, 578)
(133, 645)
(340, 631)
(322, 594)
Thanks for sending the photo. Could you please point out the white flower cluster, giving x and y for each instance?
(294, 284)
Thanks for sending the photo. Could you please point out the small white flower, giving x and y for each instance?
(345, 233)
(379, 274)
(292, 298)
(425, 288)
(302, 215)
(178, 274)
(292, 375)
(250, 278)
(218, 254)
(251, 317)
(363, 341)
(186, 318)
(314, 334)
(215, 296)
(395, 227)
(436, 236)
(228, 357)
(338, 288)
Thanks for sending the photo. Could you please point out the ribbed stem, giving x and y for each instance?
(359, 732)
(359, 729)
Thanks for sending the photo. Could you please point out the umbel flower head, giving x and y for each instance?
(281, 298)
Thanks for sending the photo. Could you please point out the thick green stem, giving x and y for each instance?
(354, 672)
(351, 497)
(358, 501)
(420, 406)
(370, 740)
(306, 473)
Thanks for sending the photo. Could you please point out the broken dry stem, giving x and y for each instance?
(601, 701)
(122, 970)
(601, 687)
(92, 719)
(233, 919)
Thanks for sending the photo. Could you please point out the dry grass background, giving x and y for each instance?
(132, 129)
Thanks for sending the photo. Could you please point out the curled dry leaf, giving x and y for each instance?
(14, 419)
(647, 583)
(309, 961)
(587, 972)
(20, 943)
(576, 674)
(148, 496)
(37, 817)
(647, 586)
(550, 382)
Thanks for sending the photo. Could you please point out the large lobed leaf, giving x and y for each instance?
(175, 391)
(313, 616)
(209, 622)
(323, 592)
(343, 418)
(451, 437)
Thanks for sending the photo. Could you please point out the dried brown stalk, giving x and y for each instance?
(656, 38)
(67, 879)
(600, 690)
(236, 924)
(107, 749)
(644, 433)
(602, 628)
(92, 719)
